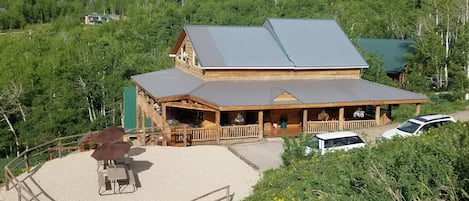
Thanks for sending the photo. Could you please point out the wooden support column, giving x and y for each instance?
(378, 115)
(137, 123)
(217, 123)
(141, 135)
(164, 129)
(305, 119)
(341, 118)
(163, 114)
(260, 122)
(152, 134)
(417, 109)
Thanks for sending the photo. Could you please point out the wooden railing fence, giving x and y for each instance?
(321, 126)
(358, 124)
(34, 156)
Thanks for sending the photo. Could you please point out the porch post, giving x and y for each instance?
(305, 119)
(137, 123)
(141, 141)
(217, 122)
(141, 135)
(417, 109)
(378, 115)
(341, 118)
(260, 122)
(153, 134)
(164, 129)
(163, 114)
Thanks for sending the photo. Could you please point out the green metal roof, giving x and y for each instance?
(391, 52)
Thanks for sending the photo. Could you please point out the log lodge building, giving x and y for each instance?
(244, 83)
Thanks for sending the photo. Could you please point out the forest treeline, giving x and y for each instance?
(61, 77)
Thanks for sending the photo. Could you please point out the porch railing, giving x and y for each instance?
(321, 126)
(358, 124)
(224, 133)
(236, 132)
(200, 134)
(329, 126)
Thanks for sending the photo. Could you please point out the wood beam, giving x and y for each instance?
(260, 121)
(378, 115)
(137, 123)
(217, 123)
(341, 118)
(318, 105)
(417, 109)
(189, 106)
(305, 119)
(163, 114)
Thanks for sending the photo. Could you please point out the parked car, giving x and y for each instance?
(326, 142)
(418, 125)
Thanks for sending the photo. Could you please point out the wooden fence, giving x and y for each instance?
(329, 126)
(321, 126)
(37, 155)
(222, 133)
(359, 124)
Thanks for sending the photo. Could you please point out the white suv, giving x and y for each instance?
(418, 125)
(342, 140)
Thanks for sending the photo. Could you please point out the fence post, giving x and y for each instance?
(6, 176)
(19, 190)
(60, 148)
(26, 158)
(228, 193)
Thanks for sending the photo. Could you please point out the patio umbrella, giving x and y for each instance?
(109, 135)
(111, 151)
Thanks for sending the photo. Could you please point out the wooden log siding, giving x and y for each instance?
(359, 124)
(148, 108)
(238, 132)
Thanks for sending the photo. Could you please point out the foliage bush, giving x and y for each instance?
(434, 166)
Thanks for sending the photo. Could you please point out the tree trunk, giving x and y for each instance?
(446, 53)
(15, 136)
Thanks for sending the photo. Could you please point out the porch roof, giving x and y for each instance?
(174, 82)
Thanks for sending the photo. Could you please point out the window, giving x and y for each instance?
(182, 53)
(195, 60)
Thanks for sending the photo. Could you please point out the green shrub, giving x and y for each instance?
(433, 166)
